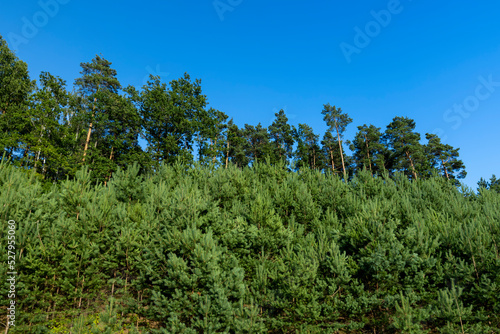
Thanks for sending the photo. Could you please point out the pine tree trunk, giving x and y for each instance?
(368, 154)
(111, 172)
(89, 132)
(8, 323)
(227, 154)
(341, 152)
(212, 146)
(331, 157)
(445, 169)
(81, 295)
(412, 166)
(314, 158)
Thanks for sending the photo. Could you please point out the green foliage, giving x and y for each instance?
(54, 132)
(172, 116)
(493, 184)
(211, 136)
(444, 158)
(15, 89)
(282, 138)
(368, 149)
(111, 121)
(191, 249)
(338, 121)
(113, 239)
(235, 146)
(405, 153)
(257, 145)
(308, 153)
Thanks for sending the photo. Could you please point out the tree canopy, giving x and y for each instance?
(105, 127)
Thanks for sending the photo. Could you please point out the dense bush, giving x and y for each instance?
(258, 250)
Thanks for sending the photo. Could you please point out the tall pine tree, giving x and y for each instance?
(405, 153)
(308, 153)
(368, 149)
(338, 121)
(281, 136)
(331, 152)
(444, 158)
(235, 146)
(257, 143)
(113, 122)
(493, 184)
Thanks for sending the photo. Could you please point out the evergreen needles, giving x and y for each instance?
(193, 249)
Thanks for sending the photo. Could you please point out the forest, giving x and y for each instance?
(100, 124)
(145, 211)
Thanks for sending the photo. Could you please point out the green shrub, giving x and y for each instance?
(193, 249)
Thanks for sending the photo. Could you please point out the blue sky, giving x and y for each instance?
(437, 63)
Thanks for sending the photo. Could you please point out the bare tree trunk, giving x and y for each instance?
(227, 154)
(89, 132)
(445, 169)
(39, 151)
(331, 157)
(368, 153)
(80, 302)
(7, 326)
(412, 166)
(314, 158)
(44, 165)
(341, 152)
(37, 158)
(212, 145)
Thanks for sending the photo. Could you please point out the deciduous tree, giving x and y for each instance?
(15, 89)
(212, 129)
(170, 117)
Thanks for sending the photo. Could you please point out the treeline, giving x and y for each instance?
(253, 250)
(99, 124)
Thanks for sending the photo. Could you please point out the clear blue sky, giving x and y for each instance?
(256, 57)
